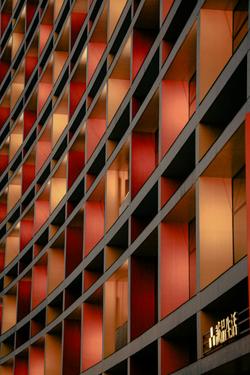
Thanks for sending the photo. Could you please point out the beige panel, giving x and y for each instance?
(14, 194)
(115, 10)
(9, 312)
(110, 146)
(16, 92)
(16, 42)
(11, 249)
(57, 8)
(121, 302)
(52, 355)
(58, 190)
(115, 307)
(59, 61)
(117, 89)
(59, 123)
(215, 45)
(109, 317)
(122, 66)
(112, 198)
(215, 226)
(15, 142)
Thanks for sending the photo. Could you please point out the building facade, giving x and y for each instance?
(124, 187)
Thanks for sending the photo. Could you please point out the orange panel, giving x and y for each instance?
(36, 360)
(92, 338)
(45, 31)
(95, 51)
(39, 284)
(175, 111)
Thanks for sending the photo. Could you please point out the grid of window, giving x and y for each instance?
(123, 184)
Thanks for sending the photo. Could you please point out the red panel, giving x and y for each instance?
(30, 64)
(174, 266)
(74, 248)
(76, 163)
(4, 22)
(36, 360)
(41, 214)
(143, 149)
(39, 284)
(4, 159)
(26, 232)
(45, 31)
(3, 210)
(28, 176)
(30, 9)
(94, 228)
(29, 119)
(95, 130)
(1, 259)
(24, 295)
(95, 51)
(21, 366)
(4, 112)
(142, 43)
(71, 347)
(77, 90)
(77, 20)
(92, 338)
(143, 301)
(4, 67)
(247, 146)
(175, 112)
(173, 357)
